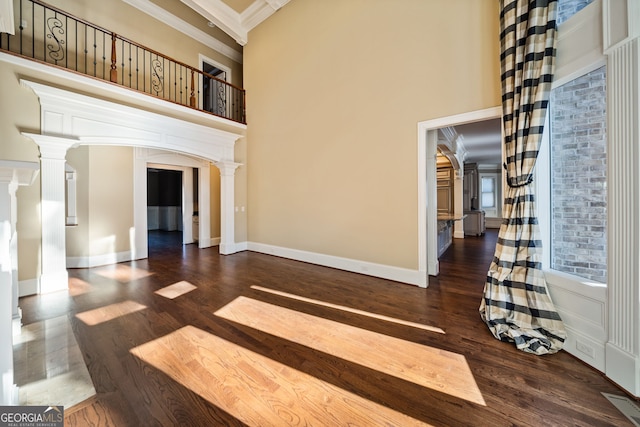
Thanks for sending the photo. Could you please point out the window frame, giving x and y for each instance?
(581, 58)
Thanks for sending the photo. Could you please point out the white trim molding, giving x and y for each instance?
(98, 260)
(582, 305)
(397, 274)
(427, 203)
(237, 25)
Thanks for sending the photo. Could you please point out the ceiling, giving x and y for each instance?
(236, 17)
(482, 140)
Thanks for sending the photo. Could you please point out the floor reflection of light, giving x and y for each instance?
(350, 310)
(255, 389)
(78, 286)
(427, 366)
(109, 312)
(48, 364)
(123, 273)
(175, 290)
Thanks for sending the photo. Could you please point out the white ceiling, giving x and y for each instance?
(236, 17)
(482, 140)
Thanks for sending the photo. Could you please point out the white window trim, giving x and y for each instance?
(581, 303)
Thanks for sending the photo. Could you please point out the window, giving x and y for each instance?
(568, 8)
(488, 192)
(578, 164)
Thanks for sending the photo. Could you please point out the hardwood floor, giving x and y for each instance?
(189, 337)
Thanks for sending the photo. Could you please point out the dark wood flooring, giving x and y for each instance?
(252, 339)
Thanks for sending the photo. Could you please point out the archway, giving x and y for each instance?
(70, 119)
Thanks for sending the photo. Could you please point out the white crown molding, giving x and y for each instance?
(184, 27)
(237, 25)
(225, 18)
(259, 11)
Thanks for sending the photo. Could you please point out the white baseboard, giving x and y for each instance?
(585, 348)
(621, 367)
(403, 275)
(493, 222)
(28, 287)
(98, 260)
(582, 306)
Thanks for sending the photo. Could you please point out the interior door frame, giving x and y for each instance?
(428, 264)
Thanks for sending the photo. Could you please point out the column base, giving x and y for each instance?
(619, 364)
(17, 323)
(53, 282)
(228, 248)
(9, 394)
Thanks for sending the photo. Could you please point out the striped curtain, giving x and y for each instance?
(516, 305)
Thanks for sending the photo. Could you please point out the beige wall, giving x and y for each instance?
(110, 199)
(22, 114)
(78, 236)
(240, 196)
(214, 201)
(335, 90)
(104, 187)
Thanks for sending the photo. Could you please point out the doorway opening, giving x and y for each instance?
(214, 96)
(427, 184)
(164, 208)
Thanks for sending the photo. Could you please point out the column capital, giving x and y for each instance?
(18, 172)
(227, 168)
(52, 147)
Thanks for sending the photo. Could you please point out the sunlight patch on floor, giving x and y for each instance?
(123, 273)
(109, 312)
(48, 365)
(78, 286)
(430, 367)
(176, 290)
(255, 389)
(350, 310)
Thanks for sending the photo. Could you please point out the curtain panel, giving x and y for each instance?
(516, 305)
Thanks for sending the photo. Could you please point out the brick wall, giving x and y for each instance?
(578, 177)
(567, 8)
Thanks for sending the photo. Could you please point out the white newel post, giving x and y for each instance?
(53, 151)
(12, 175)
(622, 47)
(227, 209)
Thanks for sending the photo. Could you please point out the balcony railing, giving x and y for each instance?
(50, 35)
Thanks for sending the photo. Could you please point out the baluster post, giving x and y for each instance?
(192, 99)
(114, 68)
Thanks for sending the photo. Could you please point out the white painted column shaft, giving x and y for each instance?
(227, 208)
(622, 352)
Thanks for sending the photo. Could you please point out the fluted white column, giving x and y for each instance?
(227, 208)
(53, 150)
(622, 47)
(12, 175)
(458, 204)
